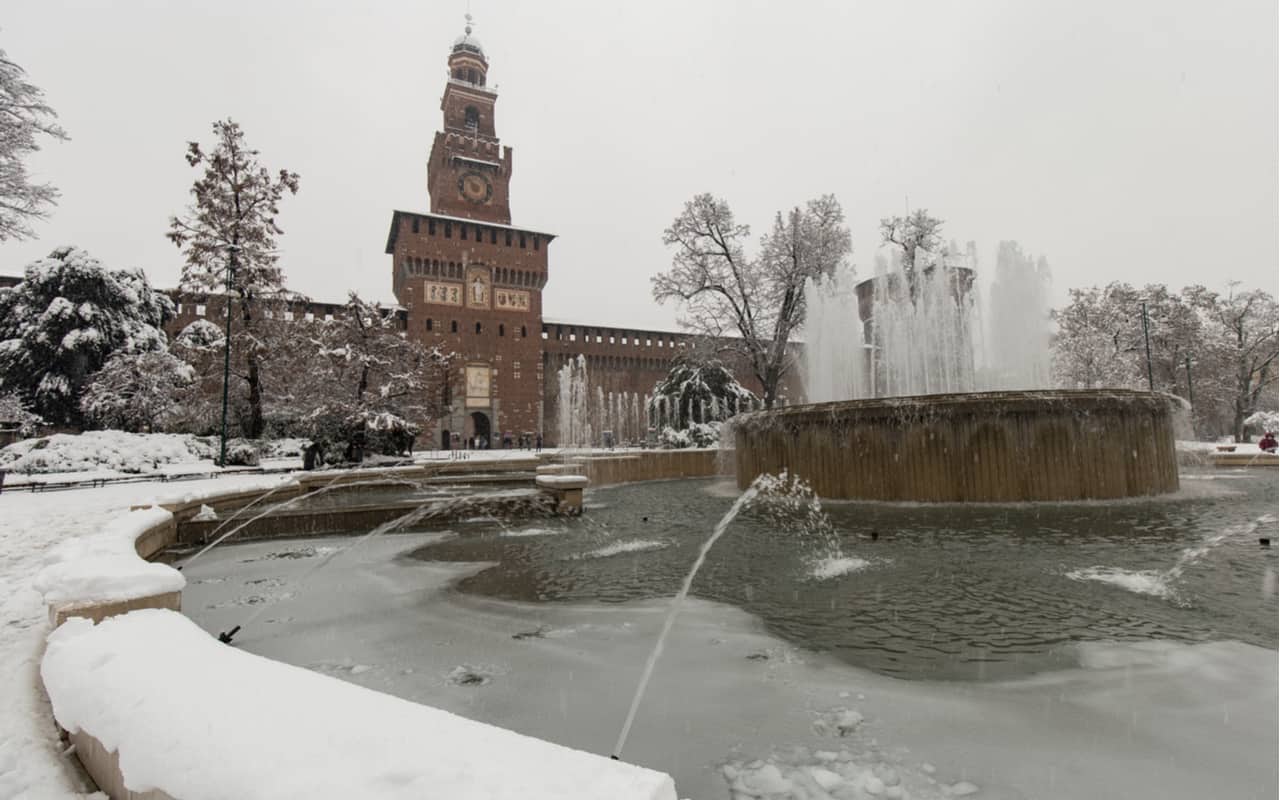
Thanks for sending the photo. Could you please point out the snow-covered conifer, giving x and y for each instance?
(67, 317)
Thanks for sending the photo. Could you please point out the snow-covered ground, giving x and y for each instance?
(31, 527)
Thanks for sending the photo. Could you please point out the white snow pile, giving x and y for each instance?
(250, 727)
(1145, 581)
(1263, 420)
(98, 450)
(105, 567)
(206, 514)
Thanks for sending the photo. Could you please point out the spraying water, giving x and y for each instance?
(328, 487)
(793, 504)
(1159, 583)
(585, 411)
(926, 332)
(431, 508)
(720, 528)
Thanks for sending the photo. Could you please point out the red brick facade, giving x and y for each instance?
(471, 283)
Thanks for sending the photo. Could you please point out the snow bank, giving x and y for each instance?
(105, 567)
(103, 450)
(198, 719)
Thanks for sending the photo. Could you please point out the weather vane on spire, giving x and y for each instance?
(468, 16)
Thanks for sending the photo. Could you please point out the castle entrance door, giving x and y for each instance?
(480, 425)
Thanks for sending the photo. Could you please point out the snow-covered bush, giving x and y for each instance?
(674, 439)
(698, 392)
(343, 436)
(136, 392)
(200, 335)
(696, 435)
(242, 453)
(1263, 421)
(62, 323)
(103, 450)
(15, 415)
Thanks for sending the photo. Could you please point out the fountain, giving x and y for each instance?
(586, 412)
(917, 408)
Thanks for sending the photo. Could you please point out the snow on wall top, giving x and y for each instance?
(249, 727)
(105, 567)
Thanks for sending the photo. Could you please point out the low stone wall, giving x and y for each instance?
(103, 766)
(983, 447)
(650, 465)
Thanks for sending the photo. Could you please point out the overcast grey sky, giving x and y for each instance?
(1123, 140)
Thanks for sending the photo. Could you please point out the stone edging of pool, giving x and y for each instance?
(114, 575)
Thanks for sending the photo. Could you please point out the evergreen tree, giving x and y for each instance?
(61, 324)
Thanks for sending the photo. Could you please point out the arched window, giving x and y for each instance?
(479, 327)
(502, 329)
(524, 332)
(428, 323)
(453, 326)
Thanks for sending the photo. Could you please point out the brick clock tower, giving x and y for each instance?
(471, 282)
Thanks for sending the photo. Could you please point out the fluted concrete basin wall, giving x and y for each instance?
(978, 447)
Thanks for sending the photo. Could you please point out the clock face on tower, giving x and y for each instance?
(475, 187)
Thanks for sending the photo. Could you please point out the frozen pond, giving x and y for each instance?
(1051, 651)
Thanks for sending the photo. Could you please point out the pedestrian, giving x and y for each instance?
(537, 442)
(1267, 443)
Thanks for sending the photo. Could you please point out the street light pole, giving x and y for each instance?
(226, 352)
(1146, 336)
(1189, 400)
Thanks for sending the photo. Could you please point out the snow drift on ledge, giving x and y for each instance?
(199, 719)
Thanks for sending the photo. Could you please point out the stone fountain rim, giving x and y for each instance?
(966, 403)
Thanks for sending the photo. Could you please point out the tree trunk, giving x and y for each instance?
(255, 399)
(1237, 425)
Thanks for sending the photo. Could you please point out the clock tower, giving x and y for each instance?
(469, 172)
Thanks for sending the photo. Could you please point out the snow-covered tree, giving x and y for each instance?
(136, 392)
(229, 239)
(24, 116)
(67, 317)
(358, 378)
(697, 392)
(14, 414)
(751, 306)
(911, 234)
(1246, 327)
(1099, 339)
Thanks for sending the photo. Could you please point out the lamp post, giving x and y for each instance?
(1146, 337)
(226, 349)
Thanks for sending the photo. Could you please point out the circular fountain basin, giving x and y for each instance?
(975, 447)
